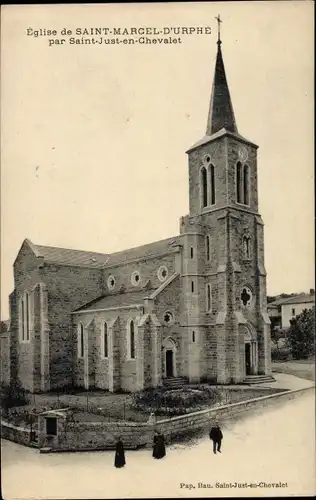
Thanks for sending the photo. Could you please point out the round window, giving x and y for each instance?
(162, 273)
(135, 278)
(168, 318)
(207, 159)
(246, 296)
(111, 282)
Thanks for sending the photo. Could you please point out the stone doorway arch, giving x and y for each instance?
(169, 358)
(250, 350)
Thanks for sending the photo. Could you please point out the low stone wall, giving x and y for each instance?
(82, 436)
(201, 420)
(16, 434)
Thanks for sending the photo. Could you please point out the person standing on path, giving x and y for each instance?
(119, 454)
(159, 449)
(216, 436)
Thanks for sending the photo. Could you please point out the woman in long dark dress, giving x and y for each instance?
(159, 449)
(119, 454)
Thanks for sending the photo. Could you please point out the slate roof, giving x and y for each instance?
(84, 258)
(217, 135)
(301, 298)
(143, 251)
(69, 256)
(115, 300)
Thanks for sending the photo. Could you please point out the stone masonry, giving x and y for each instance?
(192, 306)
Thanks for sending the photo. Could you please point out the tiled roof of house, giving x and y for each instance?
(84, 258)
(115, 300)
(301, 298)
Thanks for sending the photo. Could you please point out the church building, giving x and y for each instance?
(191, 308)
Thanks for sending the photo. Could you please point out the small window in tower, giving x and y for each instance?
(208, 297)
(192, 286)
(208, 248)
(191, 252)
(246, 185)
(193, 336)
(203, 187)
(293, 312)
(212, 175)
(246, 247)
(238, 182)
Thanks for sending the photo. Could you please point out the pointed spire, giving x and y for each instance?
(221, 113)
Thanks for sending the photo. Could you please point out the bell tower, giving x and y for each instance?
(225, 234)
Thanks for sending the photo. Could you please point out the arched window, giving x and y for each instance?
(238, 182)
(246, 185)
(212, 182)
(132, 340)
(22, 319)
(208, 297)
(80, 341)
(203, 187)
(105, 348)
(27, 316)
(208, 248)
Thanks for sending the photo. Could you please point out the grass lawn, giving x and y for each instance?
(300, 368)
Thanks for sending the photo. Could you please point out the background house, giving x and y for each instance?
(283, 309)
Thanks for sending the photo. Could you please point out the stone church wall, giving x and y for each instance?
(68, 288)
(147, 269)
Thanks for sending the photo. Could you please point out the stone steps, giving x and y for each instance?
(258, 379)
(175, 382)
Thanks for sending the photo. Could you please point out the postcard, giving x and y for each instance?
(157, 250)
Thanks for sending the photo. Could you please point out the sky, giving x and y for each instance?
(93, 137)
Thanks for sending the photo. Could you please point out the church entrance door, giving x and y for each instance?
(169, 363)
(248, 358)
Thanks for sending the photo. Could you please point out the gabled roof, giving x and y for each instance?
(83, 258)
(66, 256)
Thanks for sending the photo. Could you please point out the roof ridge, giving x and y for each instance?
(144, 245)
(69, 249)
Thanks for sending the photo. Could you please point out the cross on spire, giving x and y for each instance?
(219, 21)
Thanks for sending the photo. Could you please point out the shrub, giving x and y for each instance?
(280, 353)
(175, 402)
(301, 334)
(13, 395)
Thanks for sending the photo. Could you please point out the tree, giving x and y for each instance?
(301, 334)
